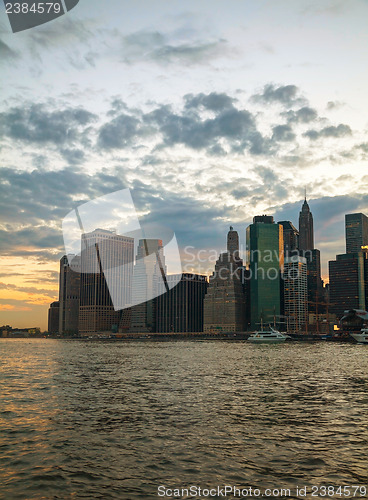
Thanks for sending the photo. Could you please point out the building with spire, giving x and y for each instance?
(313, 256)
(306, 235)
(224, 303)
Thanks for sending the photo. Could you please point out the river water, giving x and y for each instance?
(100, 420)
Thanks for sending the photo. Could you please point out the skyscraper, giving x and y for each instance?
(265, 247)
(224, 303)
(315, 288)
(53, 318)
(348, 282)
(69, 292)
(307, 250)
(291, 238)
(104, 252)
(295, 292)
(356, 232)
(181, 308)
(306, 237)
(233, 242)
(149, 276)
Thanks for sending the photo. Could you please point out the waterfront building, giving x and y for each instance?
(348, 282)
(104, 252)
(224, 303)
(53, 318)
(295, 292)
(356, 232)
(265, 250)
(149, 277)
(69, 292)
(306, 236)
(181, 308)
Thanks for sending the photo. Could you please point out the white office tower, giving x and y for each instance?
(106, 280)
(295, 292)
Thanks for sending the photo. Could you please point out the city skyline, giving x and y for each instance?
(279, 279)
(210, 115)
(209, 265)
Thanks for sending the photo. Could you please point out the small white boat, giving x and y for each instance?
(268, 336)
(361, 337)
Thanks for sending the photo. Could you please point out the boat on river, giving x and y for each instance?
(361, 337)
(268, 336)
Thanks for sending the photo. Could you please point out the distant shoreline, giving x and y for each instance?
(156, 337)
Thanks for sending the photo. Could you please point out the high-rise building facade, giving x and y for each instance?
(224, 303)
(315, 288)
(53, 318)
(307, 250)
(295, 292)
(149, 278)
(69, 292)
(348, 282)
(104, 252)
(291, 238)
(356, 232)
(181, 308)
(265, 248)
(306, 235)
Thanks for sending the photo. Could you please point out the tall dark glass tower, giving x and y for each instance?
(356, 232)
(291, 238)
(348, 282)
(181, 308)
(265, 247)
(53, 324)
(306, 238)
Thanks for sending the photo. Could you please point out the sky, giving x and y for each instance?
(211, 112)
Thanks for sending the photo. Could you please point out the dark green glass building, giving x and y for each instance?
(265, 254)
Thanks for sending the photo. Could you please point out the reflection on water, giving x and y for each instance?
(116, 420)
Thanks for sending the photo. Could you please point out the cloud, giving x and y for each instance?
(37, 202)
(330, 131)
(6, 52)
(287, 95)
(334, 105)
(168, 49)
(283, 133)
(213, 101)
(120, 132)
(302, 115)
(229, 127)
(236, 127)
(34, 123)
(152, 152)
(363, 147)
(12, 307)
(73, 156)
